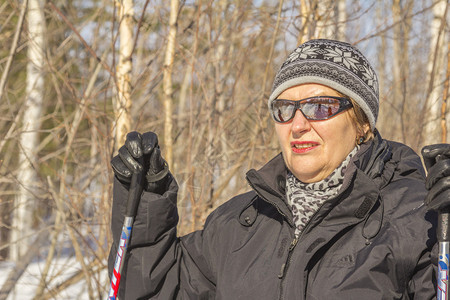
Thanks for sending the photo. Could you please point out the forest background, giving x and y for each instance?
(77, 75)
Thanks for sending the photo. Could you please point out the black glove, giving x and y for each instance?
(437, 161)
(141, 153)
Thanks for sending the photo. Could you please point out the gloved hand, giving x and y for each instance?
(437, 162)
(141, 153)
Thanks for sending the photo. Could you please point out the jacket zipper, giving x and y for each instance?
(285, 266)
(291, 246)
(294, 242)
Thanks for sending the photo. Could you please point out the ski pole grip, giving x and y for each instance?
(134, 194)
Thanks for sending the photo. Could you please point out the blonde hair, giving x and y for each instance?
(361, 121)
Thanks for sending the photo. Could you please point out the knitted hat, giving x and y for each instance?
(335, 64)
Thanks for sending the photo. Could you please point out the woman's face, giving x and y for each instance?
(314, 149)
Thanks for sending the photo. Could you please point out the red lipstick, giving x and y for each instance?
(303, 146)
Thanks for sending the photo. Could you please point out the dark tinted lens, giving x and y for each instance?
(314, 108)
(282, 110)
(319, 108)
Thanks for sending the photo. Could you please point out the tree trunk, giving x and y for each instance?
(393, 119)
(167, 82)
(381, 70)
(305, 13)
(445, 112)
(325, 19)
(436, 75)
(122, 105)
(404, 69)
(22, 222)
(381, 54)
(341, 20)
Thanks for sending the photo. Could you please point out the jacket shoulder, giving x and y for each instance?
(231, 209)
(405, 192)
(407, 160)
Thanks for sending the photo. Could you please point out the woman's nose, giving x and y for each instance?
(300, 123)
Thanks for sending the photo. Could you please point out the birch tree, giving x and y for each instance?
(305, 17)
(445, 112)
(436, 74)
(122, 103)
(330, 19)
(381, 67)
(167, 82)
(394, 120)
(322, 19)
(341, 17)
(29, 137)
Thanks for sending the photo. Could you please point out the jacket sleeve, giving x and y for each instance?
(422, 284)
(158, 264)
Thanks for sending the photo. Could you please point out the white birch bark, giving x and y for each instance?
(331, 17)
(122, 105)
(326, 15)
(445, 121)
(385, 107)
(436, 75)
(305, 15)
(341, 18)
(394, 119)
(29, 140)
(167, 82)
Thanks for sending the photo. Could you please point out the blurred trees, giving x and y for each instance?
(198, 73)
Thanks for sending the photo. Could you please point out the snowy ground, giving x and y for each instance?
(62, 268)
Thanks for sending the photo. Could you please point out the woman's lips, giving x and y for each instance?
(302, 147)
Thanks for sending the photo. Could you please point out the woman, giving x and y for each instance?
(338, 214)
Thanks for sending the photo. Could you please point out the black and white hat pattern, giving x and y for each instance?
(335, 64)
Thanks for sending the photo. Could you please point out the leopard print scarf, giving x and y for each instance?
(304, 199)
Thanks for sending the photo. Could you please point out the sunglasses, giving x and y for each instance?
(313, 108)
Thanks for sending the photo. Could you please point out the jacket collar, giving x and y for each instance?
(269, 183)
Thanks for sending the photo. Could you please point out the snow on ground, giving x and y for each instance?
(62, 268)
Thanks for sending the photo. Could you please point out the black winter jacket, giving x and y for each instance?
(372, 241)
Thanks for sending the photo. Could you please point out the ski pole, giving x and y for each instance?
(443, 236)
(132, 205)
(442, 231)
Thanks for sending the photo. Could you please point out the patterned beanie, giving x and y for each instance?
(335, 64)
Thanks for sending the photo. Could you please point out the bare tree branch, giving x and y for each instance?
(13, 49)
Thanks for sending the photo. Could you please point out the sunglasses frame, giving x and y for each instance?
(344, 104)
